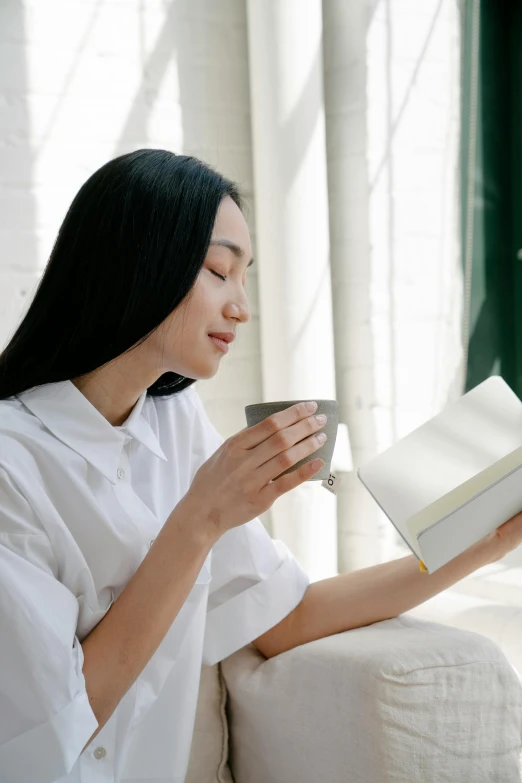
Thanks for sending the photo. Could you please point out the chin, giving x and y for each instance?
(202, 374)
(210, 373)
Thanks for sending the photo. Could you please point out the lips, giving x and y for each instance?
(227, 337)
(221, 344)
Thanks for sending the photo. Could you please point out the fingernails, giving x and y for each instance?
(312, 406)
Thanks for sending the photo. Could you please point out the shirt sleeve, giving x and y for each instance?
(256, 580)
(256, 583)
(45, 715)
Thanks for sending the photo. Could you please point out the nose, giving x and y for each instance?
(240, 311)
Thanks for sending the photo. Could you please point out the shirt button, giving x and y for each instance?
(151, 543)
(100, 753)
(121, 473)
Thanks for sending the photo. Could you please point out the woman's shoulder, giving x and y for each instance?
(25, 443)
(17, 424)
(18, 469)
(11, 406)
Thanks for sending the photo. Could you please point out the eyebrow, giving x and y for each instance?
(237, 251)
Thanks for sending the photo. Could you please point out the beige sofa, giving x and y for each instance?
(405, 700)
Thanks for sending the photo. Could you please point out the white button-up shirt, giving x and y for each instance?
(81, 502)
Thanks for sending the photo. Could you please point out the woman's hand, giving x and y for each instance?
(505, 538)
(238, 482)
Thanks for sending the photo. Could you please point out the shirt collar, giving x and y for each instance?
(69, 415)
(140, 429)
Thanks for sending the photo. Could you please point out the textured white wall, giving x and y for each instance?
(84, 81)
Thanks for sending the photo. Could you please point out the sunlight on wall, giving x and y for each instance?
(416, 288)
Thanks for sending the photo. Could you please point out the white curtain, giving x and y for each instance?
(291, 207)
(355, 129)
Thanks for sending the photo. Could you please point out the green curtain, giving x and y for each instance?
(491, 189)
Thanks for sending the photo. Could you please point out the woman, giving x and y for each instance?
(130, 548)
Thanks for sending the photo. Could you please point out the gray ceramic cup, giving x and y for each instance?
(259, 411)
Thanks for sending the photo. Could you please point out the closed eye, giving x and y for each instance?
(218, 275)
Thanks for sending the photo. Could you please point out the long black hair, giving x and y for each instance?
(127, 254)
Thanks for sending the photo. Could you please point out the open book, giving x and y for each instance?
(456, 478)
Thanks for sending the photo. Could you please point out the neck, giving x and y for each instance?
(113, 393)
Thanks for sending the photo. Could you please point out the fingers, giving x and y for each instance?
(277, 443)
(286, 446)
(250, 437)
(288, 457)
(286, 483)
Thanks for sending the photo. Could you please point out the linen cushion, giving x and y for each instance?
(400, 701)
(209, 751)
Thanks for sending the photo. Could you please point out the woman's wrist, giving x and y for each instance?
(192, 514)
(486, 551)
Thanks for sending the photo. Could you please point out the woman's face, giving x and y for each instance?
(182, 342)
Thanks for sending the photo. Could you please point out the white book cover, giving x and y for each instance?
(457, 477)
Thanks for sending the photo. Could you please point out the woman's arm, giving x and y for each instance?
(379, 592)
(121, 645)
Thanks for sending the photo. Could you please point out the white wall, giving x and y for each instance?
(84, 81)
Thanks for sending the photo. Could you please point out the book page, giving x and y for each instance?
(464, 493)
(466, 438)
(452, 535)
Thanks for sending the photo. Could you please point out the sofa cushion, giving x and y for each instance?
(209, 752)
(500, 622)
(400, 701)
